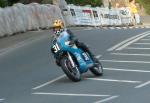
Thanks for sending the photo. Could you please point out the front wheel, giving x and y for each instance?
(72, 73)
(97, 70)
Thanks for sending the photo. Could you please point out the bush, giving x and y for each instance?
(85, 2)
(3, 3)
(146, 5)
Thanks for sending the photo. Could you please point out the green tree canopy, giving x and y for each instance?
(3, 3)
(85, 2)
(146, 5)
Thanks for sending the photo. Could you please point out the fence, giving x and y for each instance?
(77, 15)
(21, 18)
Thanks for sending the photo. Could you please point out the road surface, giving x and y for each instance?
(28, 73)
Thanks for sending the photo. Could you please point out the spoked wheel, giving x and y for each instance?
(72, 73)
(98, 69)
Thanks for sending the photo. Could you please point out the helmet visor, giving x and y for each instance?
(56, 28)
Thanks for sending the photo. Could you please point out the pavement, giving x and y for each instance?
(145, 20)
(28, 73)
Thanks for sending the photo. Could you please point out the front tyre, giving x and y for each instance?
(97, 70)
(72, 73)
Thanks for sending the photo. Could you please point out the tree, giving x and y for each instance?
(146, 5)
(11, 2)
(85, 2)
(3, 3)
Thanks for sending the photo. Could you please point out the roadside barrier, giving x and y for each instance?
(34, 16)
(79, 15)
(21, 18)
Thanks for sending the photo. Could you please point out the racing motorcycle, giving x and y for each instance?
(73, 60)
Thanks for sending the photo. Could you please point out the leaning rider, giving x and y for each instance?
(58, 28)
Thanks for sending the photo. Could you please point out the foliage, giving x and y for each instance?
(146, 5)
(3, 3)
(85, 2)
(11, 2)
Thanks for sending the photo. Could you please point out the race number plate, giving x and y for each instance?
(86, 56)
(56, 48)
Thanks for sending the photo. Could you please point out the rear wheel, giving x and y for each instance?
(72, 73)
(98, 69)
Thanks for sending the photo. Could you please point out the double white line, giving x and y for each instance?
(2, 100)
(129, 41)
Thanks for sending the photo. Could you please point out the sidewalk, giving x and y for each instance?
(145, 20)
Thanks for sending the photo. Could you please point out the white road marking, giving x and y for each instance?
(89, 28)
(49, 82)
(118, 27)
(148, 36)
(147, 26)
(127, 70)
(136, 27)
(20, 44)
(142, 43)
(2, 99)
(126, 41)
(111, 27)
(127, 54)
(132, 41)
(124, 27)
(114, 80)
(119, 61)
(70, 94)
(131, 27)
(107, 99)
(145, 39)
(136, 48)
(105, 27)
(142, 85)
(142, 27)
(98, 56)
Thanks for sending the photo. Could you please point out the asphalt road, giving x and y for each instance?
(28, 73)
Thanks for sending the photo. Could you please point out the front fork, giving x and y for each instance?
(71, 60)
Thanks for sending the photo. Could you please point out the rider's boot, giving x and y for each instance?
(93, 57)
(57, 62)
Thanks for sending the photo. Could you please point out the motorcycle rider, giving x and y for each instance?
(58, 28)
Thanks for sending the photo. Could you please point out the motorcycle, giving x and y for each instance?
(73, 60)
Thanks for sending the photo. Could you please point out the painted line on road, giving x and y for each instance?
(49, 82)
(119, 61)
(132, 41)
(70, 94)
(145, 39)
(127, 40)
(131, 27)
(148, 36)
(118, 27)
(107, 99)
(142, 85)
(135, 48)
(98, 56)
(20, 44)
(147, 26)
(2, 99)
(142, 43)
(85, 29)
(114, 80)
(127, 54)
(127, 70)
(112, 28)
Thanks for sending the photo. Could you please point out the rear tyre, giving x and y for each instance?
(98, 69)
(72, 73)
